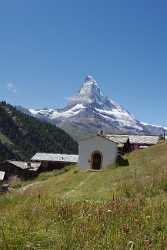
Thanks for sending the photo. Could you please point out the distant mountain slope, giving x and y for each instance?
(22, 135)
(89, 110)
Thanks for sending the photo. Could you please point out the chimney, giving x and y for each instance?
(100, 132)
(164, 135)
(29, 164)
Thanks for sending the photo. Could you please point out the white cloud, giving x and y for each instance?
(79, 99)
(11, 87)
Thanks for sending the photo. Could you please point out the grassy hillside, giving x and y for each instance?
(21, 136)
(118, 208)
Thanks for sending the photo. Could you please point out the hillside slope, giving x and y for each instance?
(118, 208)
(146, 175)
(21, 136)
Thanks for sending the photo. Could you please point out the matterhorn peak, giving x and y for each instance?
(88, 94)
(90, 87)
(89, 110)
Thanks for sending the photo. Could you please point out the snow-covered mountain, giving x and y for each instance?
(90, 110)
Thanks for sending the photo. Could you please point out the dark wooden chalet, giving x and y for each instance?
(54, 161)
(128, 143)
(19, 169)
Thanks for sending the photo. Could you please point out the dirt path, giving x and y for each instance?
(24, 188)
(67, 194)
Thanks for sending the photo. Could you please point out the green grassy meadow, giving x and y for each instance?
(122, 207)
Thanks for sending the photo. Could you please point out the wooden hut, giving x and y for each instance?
(19, 169)
(54, 161)
(128, 143)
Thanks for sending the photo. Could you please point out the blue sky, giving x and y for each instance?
(47, 48)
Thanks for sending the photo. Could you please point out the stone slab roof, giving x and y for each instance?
(134, 139)
(55, 157)
(33, 166)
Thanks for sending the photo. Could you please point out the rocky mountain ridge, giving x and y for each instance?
(90, 110)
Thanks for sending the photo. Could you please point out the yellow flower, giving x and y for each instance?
(148, 217)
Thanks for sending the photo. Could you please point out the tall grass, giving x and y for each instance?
(39, 223)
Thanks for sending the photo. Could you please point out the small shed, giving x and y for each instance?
(97, 152)
(54, 161)
(19, 169)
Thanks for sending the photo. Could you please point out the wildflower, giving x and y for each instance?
(148, 217)
(126, 228)
(148, 242)
(131, 245)
(136, 220)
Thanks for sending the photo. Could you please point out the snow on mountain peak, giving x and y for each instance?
(89, 93)
(90, 109)
(89, 85)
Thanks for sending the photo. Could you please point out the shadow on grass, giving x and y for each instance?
(120, 161)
